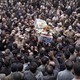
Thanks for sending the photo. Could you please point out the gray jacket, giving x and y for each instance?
(65, 75)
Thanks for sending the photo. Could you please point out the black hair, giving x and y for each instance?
(60, 47)
(20, 66)
(15, 45)
(51, 49)
(41, 53)
(69, 65)
(7, 63)
(14, 67)
(33, 67)
(71, 49)
(76, 68)
(67, 54)
(15, 52)
(49, 69)
(44, 60)
(19, 56)
(26, 59)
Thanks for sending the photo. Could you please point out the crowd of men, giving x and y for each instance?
(23, 57)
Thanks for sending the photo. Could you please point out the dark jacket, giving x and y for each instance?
(29, 76)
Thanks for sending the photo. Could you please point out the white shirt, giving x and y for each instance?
(24, 66)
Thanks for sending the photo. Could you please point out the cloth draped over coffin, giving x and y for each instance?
(42, 29)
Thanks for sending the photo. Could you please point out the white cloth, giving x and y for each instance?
(24, 66)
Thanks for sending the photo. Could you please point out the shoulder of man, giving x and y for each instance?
(9, 77)
(29, 75)
(39, 75)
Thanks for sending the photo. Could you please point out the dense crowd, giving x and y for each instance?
(23, 56)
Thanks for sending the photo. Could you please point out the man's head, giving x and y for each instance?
(67, 54)
(14, 46)
(14, 67)
(49, 69)
(51, 53)
(71, 49)
(26, 59)
(33, 67)
(17, 76)
(69, 65)
(20, 67)
(44, 60)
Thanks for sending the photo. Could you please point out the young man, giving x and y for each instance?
(66, 74)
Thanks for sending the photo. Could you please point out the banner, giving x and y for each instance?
(39, 24)
(45, 39)
(41, 31)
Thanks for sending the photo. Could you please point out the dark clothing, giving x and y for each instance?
(6, 71)
(29, 76)
(48, 77)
